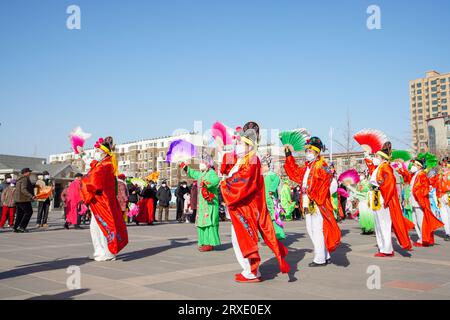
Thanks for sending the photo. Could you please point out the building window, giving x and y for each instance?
(443, 80)
(419, 98)
(444, 107)
(419, 91)
(443, 87)
(444, 101)
(433, 82)
(434, 95)
(433, 89)
(434, 102)
(419, 85)
(444, 94)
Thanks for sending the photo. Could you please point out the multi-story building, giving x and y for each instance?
(428, 99)
(439, 136)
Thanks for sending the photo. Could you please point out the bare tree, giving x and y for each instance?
(346, 143)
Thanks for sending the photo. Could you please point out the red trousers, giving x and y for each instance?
(7, 212)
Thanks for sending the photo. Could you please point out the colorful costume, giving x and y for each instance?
(207, 218)
(244, 193)
(385, 204)
(286, 201)
(315, 178)
(98, 191)
(424, 220)
(73, 201)
(271, 183)
(366, 216)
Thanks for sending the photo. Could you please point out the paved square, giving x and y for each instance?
(162, 262)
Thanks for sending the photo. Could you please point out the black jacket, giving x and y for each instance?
(164, 196)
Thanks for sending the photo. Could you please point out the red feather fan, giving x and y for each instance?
(370, 140)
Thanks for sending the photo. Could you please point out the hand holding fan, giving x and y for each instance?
(180, 150)
(141, 183)
(370, 140)
(349, 177)
(77, 139)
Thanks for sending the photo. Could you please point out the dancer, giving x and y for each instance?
(442, 186)
(98, 191)
(146, 205)
(286, 200)
(315, 178)
(243, 192)
(271, 183)
(366, 216)
(385, 204)
(73, 203)
(207, 219)
(425, 221)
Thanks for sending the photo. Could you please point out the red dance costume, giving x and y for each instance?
(388, 189)
(244, 195)
(98, 191)
(318, 190)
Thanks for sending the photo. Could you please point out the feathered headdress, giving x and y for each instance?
(370, 140)
(77, 139)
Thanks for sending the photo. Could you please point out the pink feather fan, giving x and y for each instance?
(350, 176)
(77, 139)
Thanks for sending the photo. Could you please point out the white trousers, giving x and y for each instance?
(417, 215)
(445, 214)
(101, 251)
(314, 227)
(383, 230)
(244, 262)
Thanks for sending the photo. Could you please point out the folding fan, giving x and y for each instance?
(295, 138)
(180, 150)
(77, 139)
(350, 176)
(370, 140)
(401, 155)
(223, 133)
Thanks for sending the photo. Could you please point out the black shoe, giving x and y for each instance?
(447, 238)
(66, 226)
(313, 264)
(137, 223)
(16, 231)
(328, 261)
(77, 227)
(21, 230)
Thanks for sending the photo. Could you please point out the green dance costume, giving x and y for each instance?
(207, 219)
(271, 183)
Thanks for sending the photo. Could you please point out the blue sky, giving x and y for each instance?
(141, 69)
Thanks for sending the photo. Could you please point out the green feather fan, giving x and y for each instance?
(401, 155)
(431, 160)
(294, 138)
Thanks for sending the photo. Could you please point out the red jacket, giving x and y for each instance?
(318, 190)
(98, 191)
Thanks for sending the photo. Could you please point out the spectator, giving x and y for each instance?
(164, 196)
(23, 196)
(296, 198)
(122, 195)
(179, 193)
(194, 201)
(73, 203)
(8, 206)
(64, 200)
(43, 204)
(4, 185)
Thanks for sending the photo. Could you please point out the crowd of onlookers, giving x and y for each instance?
(17, 196)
